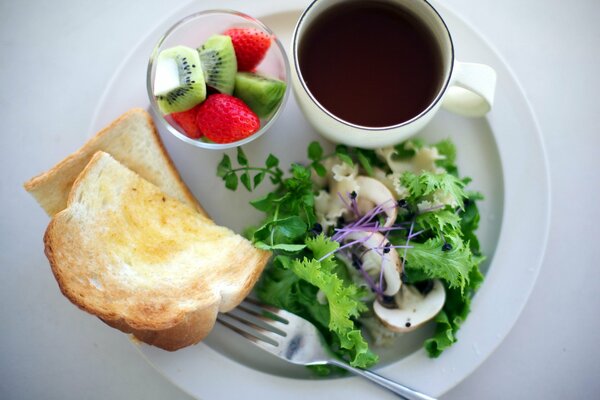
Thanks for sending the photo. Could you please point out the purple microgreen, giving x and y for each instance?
(354, 203)
(413, 235)
(339, 237)
(412, 225)
(369, 228)
(344, 246)
(356, 261)
(368, 279)
(343, 200)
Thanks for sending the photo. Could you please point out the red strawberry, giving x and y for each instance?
(225, 119)
(250, 46)
(187, 121)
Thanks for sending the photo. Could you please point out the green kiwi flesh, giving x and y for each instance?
(217, 56)
(178, 81)
(262, 94)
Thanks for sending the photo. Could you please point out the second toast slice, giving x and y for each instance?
(133, 140)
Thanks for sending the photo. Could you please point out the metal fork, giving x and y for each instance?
(296, 340)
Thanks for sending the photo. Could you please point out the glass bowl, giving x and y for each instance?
(192, 31)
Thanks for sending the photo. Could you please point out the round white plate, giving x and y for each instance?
(504, 155)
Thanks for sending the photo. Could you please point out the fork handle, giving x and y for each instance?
(401, 390)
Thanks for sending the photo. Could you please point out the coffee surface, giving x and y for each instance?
(371, 63)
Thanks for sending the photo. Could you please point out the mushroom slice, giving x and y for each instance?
(373, 191)
(390, 261)
(414, 308)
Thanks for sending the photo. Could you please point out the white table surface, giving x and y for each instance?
(56, 58)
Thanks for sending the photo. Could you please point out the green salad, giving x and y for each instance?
(367, 244)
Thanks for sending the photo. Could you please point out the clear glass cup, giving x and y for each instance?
(194, 30)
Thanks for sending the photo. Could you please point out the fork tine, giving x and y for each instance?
(267, 346)
(267, 317)
(274, 313)
(261, 327)
(260, 320)
(266, 311)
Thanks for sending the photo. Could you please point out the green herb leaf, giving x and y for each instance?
(272, 161)
(291, 227)
(315, 151)
(241, 157)
(231, 181)
(345, 158)
(341, 151)
(364, 162)
(258, 178)
(300, 172)
(264, 203)
(224, 166)
(245, 178)
(319, 169)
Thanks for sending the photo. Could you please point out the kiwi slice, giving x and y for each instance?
(260, 93)
(179, 80)
(219, 63)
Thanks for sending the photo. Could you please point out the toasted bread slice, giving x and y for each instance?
(132, 140)
(143, 261)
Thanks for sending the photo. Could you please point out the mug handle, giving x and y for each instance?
(471, 91)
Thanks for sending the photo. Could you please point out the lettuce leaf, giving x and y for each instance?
(427, 183)
(458, 305)
(429, 261)
(454, 313)
(343, 298)
(293, 283)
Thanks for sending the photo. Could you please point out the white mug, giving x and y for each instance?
(467, 89)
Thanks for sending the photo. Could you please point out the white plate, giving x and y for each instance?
(504, 155)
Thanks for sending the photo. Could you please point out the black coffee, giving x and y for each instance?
(371, 63)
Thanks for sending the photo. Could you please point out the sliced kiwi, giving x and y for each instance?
(260, 93)
(219, 63)
(179, 80)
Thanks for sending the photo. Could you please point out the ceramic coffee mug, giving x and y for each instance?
(466, 88)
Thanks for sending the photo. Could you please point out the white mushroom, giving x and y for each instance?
(413, 307)
(371, 259)
(374, 193)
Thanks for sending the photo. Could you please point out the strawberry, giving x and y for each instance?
(187, 121)
(250, 46)
(225, 119)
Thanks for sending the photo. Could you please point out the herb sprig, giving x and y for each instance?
(251, 177)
